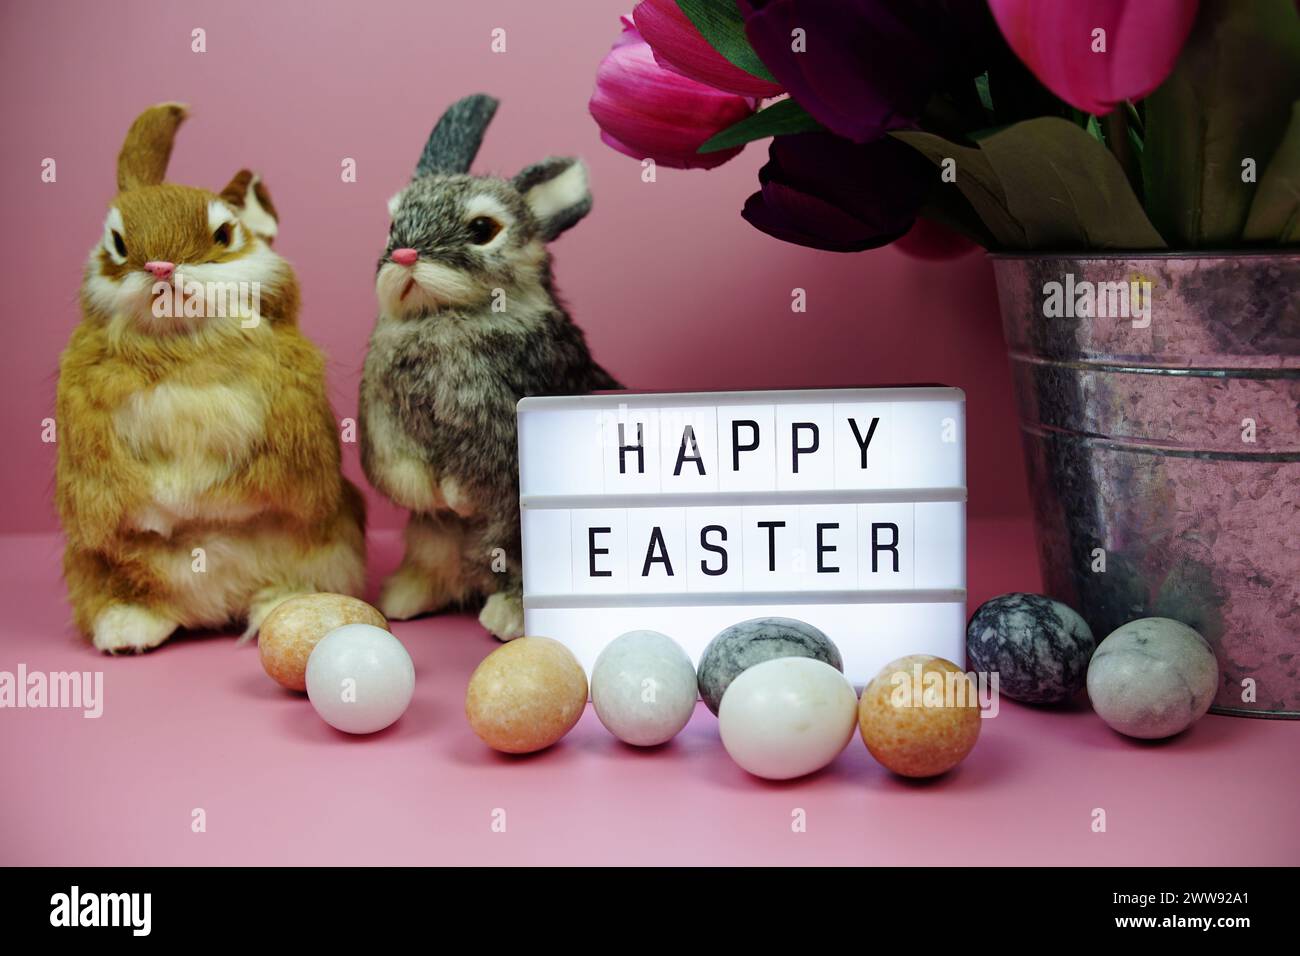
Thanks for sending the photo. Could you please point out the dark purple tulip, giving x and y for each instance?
(823, 191)
(868, 66)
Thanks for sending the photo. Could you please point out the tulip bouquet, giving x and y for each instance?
(1019, 124)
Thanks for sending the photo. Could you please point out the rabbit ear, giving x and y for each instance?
(247, 195)
(556, 191)
(454, 142)
(148, 146)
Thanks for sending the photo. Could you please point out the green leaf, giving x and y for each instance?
(953, 210)
(1094, 130)
(977, 135)
(1134, 118)
(982, 90)
(1226, 101)
(1066, 189)
(975, 181)
(1135, 141)
(720, 22)
(779, 119)
(1275, 213)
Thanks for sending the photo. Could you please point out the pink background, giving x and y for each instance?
(674, 289)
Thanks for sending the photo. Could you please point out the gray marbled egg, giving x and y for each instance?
(1152, 678)
(1039, 648)
(643, 688)
(751, 642)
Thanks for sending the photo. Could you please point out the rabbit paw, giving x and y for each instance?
(130, 629)
(503, 616)
(408, 592)
(456, 499)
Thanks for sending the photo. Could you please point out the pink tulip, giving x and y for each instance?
(648, 112)
(1056, 39)
(680, 47)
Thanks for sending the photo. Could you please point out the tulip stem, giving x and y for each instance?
(1116, 127)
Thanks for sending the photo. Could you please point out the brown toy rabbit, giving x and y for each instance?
(198, 459)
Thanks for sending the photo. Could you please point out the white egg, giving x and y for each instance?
(643, 688)
(787, 717)
(360, 678)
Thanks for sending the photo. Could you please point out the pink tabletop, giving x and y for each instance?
(197, 725)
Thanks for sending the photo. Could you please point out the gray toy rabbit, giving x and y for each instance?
(469, 323)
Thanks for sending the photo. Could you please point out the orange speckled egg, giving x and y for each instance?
(295, 627)
(526, 695)
(920, 716)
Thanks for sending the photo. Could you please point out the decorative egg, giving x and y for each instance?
(294, 627)
(743, 645)
(787, 717)
(920, 716)
(643, 688)
(360, 678)
(526, 695)
(1039, 648)
(1152, 678)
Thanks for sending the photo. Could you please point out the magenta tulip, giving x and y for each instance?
(827, 192)
(864, 67)
(680, 47)
(649, 112)
(1094, 54)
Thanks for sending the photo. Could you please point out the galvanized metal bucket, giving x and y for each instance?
(1161, 428)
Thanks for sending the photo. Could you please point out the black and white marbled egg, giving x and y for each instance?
(1038, 647)
(743, 645)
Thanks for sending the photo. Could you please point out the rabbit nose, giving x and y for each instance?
(405, 257)
(163, 270)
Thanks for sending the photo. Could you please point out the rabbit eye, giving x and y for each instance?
(222, 236)
(119, 244)
(482, 229)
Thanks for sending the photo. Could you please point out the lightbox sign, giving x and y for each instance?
(685, 513)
